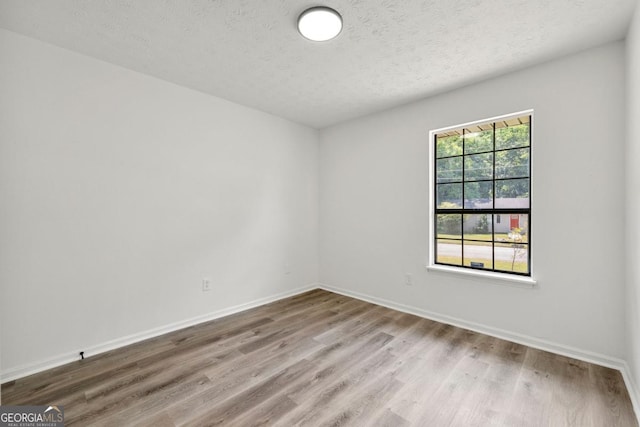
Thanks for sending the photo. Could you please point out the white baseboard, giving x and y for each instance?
(632, 388)
(61, 359)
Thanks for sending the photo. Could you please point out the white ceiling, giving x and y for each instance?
(390, 51)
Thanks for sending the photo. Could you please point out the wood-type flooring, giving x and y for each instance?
(323, 359)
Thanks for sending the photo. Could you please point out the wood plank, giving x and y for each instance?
(235, 406)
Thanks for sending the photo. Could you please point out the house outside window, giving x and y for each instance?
(481, 195)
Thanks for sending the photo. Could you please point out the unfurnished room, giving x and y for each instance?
(320, 213)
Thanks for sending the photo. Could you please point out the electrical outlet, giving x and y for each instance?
(408, 279)
(287, 269)
(206, 285)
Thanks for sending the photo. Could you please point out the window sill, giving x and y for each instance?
(504, 279)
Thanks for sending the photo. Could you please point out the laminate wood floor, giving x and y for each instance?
(322, 359)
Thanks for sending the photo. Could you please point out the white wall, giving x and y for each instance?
(632, 228)
(120, 192)
(374, 205)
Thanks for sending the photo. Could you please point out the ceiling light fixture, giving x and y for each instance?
(319, 23)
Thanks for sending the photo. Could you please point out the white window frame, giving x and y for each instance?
(495, 277)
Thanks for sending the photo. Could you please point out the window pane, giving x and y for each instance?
(512, 136)
(449, 169)
(478, 254)
(449, 196)
(512, 228)
(478, 166)
(512, 193)
(449, 226)
(448, 146)
(478, 142)
(511, 247)
(449, 252)
(478, 195)
(512, 257)
(512, 163)
(478, 227)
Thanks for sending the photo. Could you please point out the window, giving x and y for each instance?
(481, 200)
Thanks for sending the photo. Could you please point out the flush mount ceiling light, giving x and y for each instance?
(319, 23)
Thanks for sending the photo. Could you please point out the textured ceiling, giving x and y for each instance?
(390, 51)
